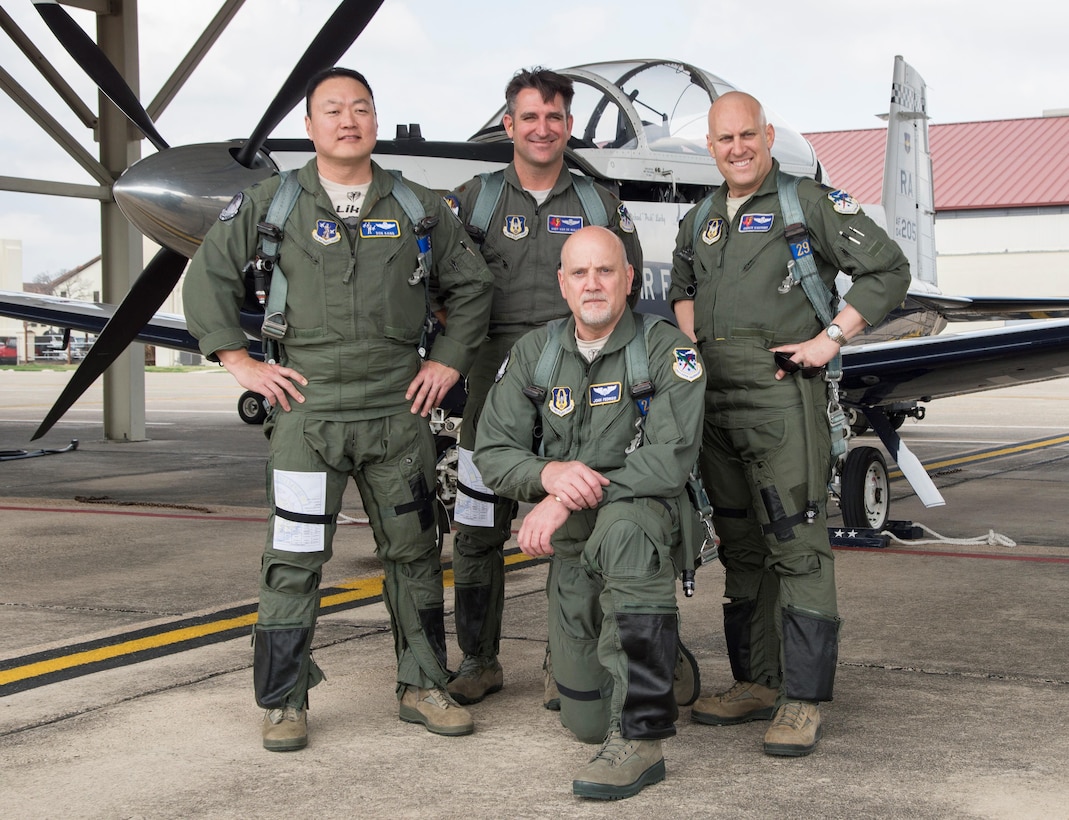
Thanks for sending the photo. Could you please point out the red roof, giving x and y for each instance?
(994, 164)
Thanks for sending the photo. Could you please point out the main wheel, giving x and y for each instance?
(865, 496)
(252, 408)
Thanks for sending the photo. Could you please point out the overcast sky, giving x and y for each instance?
(824, 65)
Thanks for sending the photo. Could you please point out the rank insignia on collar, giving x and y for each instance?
(515, 226)
(232, 208)
(504, 366)
(375, 228)
(713, 230)
(687, 364)
(605, 393)
(563, 224)
(843, 203)
(756, 223)
(627, 225)
(326, 232)
(560, 401)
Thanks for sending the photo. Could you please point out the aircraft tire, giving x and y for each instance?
(252, 408)
(865, 497)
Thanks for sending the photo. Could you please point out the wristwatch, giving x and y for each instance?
(836, 334)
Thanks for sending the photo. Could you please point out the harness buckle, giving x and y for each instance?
(274, 326)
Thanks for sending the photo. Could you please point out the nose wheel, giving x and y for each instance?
(865, 497)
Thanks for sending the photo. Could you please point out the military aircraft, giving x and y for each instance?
(639, 129)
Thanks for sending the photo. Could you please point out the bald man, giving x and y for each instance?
(766, 444)
(608, 482)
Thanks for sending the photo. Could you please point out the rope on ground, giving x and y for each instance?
(994, 539)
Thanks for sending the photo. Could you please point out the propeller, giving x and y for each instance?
(162, 273)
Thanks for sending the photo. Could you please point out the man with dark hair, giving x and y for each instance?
(520, 228)
(766, 446)
(351, 289)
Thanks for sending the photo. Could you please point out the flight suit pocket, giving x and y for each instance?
(402, 509)
(404, 301)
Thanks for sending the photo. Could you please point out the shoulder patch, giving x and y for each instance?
(627, 225)
(232, 208)
(453, 203)
(687, 365)
(843, 203)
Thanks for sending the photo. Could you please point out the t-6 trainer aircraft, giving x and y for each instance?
(640, 129)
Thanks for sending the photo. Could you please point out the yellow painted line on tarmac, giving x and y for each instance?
(351, 591)
(105, 653)
(985, 455)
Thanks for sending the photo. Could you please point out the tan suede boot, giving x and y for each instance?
(741, 703)
(622, 768)
(285, 730)
(795, 731)
(436, 710)
(476, 678)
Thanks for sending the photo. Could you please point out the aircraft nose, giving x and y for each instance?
(174, 196)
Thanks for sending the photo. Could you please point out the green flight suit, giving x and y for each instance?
(355, 322)
(522, 249)
(763, 439)
(613, 624)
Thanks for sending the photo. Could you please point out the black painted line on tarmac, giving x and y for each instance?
(74, 660)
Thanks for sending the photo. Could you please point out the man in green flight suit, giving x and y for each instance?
(766, 446)
(609, 481)
(348, 393)
(539, 205)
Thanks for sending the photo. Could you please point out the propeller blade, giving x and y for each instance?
(338, 33)
(99, 68)
(145, 297)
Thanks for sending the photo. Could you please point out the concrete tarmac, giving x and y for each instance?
(123, 564)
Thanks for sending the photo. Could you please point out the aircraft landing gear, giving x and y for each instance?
(252, 408)
(865, 497)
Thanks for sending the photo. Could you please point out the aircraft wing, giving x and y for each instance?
(984, 308)
(165, 329)
(924, 369)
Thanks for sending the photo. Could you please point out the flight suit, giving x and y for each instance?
(764, 440)
(522, 249)
(613, 628)
(355, 321)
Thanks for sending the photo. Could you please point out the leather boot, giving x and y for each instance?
(795, 731)
(621, 768)
(741, 703)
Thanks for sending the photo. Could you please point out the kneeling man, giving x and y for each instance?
(597, 420)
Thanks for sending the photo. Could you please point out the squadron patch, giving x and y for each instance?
(627, 225)
(843, 203)
(563, 224)
(560, 401)
(504, 366)
(515, 226)
(326, 232)
(687, 364)
(232, 208)
(714, 229)
(453, 203)
(376, 228)
(608, 393)
(756, 223)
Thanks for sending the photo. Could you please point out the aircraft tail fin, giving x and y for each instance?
(908, 196)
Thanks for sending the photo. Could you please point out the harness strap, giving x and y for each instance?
(271, 231)
(493, 183)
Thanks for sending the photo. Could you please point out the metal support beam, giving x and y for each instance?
(121, 244)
